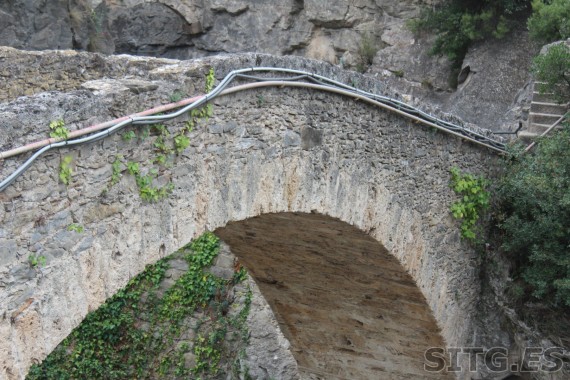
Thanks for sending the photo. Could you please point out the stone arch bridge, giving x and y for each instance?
(339, 210)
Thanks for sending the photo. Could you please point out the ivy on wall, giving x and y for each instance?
(192, 329)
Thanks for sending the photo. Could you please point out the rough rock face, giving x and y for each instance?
(333, 31)
(494, 87)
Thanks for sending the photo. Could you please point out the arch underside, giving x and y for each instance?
(273, 151)
(347, 306)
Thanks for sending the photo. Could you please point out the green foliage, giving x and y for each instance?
(367, 49)
(147, 191)
(128, 136)
(112, 343)
(239, 275)
(65, 172)
(133, 168)
(58, 130)
(165, 147)
(145, 132)
(260, 100)
(181, 142)
(553, 69)
(210, 80)
(116, 167)
(75, 227)
(176, 96)
(106, 345)
(36, 260)
(474, 200)
(535, 218)
(207, 356)
(550, 20)
(458, 23)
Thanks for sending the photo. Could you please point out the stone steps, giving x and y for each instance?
(544, 118)
(547, 107)
(542, 98)
(544, 111)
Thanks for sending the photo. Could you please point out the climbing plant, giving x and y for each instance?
(474, 199)
(165, 148)
(58, 130)
(65, 172)
(136, 333)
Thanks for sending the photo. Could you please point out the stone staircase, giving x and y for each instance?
(544, 111)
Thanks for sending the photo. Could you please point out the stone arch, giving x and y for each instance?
(347, 306)
(295, 151)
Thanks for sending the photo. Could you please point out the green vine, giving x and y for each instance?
(128, 136)
(116, 167)
(65, 172)
(58, 130)
(141, 332)
(165, 146)
(147, 190)
(474, 200)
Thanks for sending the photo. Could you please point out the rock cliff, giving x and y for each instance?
(368, 35)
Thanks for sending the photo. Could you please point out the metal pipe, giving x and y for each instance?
(531, 145)
(149, 117)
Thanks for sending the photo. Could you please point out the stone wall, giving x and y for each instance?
(268, 151)
(494, 97)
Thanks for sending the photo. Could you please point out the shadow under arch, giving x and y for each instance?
(347, 306)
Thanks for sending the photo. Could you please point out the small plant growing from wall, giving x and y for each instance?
(58, 130)
(65, 172)
(36, 260)
(75, 227)
(474, 199)
(166, 146)
(366, 51)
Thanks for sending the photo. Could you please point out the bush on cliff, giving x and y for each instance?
(552, 69)
(535, 195)
(458, 23)
(550, 20)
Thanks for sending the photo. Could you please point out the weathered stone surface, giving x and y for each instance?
(362, 169)
(346, 305)
(30, 24)
(332, 31)
(492, 95)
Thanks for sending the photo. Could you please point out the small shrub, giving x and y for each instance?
(553, 68)
(116, 167)
(398, 73)
(535, 217)
(550, 20)
(176, 96)
(426, 83)
(181, 142)
(128, 136)
(366, 51)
